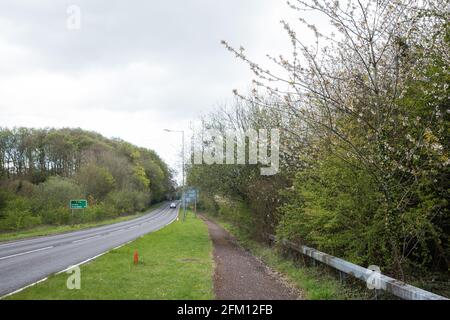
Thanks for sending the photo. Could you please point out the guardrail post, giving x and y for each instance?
(376, 294)
(342, 276)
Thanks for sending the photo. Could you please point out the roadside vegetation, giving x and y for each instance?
(315, 282)
(174, 263)
(42, 169)
(45, 230)
(363, 115)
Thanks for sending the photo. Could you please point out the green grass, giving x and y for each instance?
(316, 283)
(175, 263)
(46, 230)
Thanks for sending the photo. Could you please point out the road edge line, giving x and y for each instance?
(23, 288)
(85, 261)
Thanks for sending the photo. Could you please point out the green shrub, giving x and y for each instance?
(334, 207)
(17, 215)
(207, 203)
(96, 181)
(235, 212)
(98, 212)
(19, 187)
(4, 196)
(57, 191)
(127, 202)
(55, 215)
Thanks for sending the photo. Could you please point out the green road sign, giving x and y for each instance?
(78, 204)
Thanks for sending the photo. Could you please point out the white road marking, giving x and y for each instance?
(22, 253)
(83, 262)
(123, 244)
(21, 289)
(118, 247)
(8, 244)
(84, 239)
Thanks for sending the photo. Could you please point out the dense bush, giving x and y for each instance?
(42, 170)
(335, 208)
(96, 212)
(128, 201)
(4, 196)
(17, 215)
(95, 181)
(364, 122)
(56, 192)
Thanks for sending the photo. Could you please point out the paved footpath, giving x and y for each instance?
(239, 275)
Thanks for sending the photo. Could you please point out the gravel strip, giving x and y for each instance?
(240, 275)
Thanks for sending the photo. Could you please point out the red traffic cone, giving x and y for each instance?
(136, 257)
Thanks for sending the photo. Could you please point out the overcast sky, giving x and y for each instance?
(133, 68)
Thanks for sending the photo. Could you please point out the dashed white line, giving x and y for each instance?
(80, 263)
(22, 253)
(84, 239)
(8, 244)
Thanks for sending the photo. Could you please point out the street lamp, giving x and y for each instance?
(182, 156)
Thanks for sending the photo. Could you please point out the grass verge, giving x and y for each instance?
(47, 230)
(174, 263)
(316, 283)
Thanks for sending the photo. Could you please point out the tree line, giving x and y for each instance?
(363, 113)
(42, 169)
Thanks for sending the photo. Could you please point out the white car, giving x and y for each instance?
(173, 205)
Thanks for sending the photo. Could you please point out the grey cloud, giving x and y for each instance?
(130, 58)
(113, 32)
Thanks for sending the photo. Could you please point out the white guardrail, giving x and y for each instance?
(391, 285)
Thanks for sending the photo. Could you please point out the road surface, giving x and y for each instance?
(27, 261)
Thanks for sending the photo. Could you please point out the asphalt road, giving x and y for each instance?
(27, 261)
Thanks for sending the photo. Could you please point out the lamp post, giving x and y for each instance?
(182, 156)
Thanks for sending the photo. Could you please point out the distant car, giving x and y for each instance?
(173, 205)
